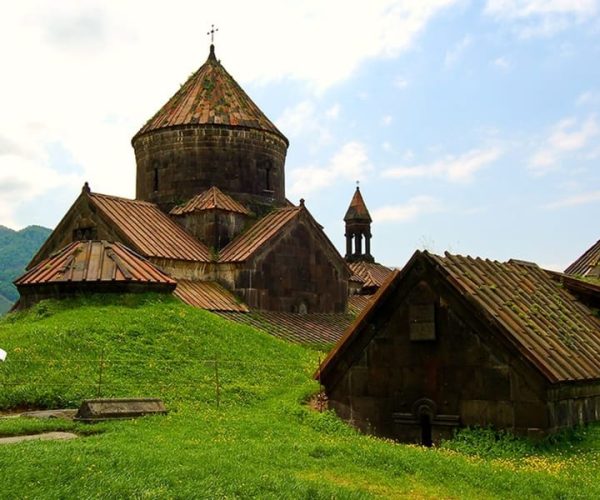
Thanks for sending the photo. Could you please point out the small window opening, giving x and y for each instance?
(84, 234)
(268, 178)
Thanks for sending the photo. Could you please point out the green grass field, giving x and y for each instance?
(250, 435)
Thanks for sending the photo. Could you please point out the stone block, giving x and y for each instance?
(95, 410)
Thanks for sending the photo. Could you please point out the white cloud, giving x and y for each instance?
(333, 112)
(575, 200)
(408, 211)
(588, 98)
(400, 82)
(87, 75)
(568, 135)
(541, 17)
(452, 168)
(387, 120)
(25, 180)
(502, 63)
(454, 54)
(304, 119)
(350, 163)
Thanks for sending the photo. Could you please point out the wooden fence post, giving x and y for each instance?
(217, 386)
(100, 370)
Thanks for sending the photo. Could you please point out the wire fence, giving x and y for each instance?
(42, 382)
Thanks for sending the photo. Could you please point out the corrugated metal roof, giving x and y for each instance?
(370, 274)
(312, 328)
(357, 211)
(547, 324)
(210, 97)
(211, 199)
(148, 230)
(208, 295)
(247, 243)
(588, 264)
(91, 262)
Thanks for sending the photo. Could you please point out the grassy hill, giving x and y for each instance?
(16, 250)
(249, 435)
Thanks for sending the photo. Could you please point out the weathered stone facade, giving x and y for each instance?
(295, 272)
(215, 228)
(425, 362)
(173, 165)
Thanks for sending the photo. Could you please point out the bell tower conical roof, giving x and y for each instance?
(210, 96)
(357, 211)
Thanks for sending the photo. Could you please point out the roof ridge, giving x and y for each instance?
(209, 199)
(122, 198)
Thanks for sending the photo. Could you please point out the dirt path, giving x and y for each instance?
(46, 436)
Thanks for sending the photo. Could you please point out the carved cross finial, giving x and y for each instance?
(212, 32)
(357, 184)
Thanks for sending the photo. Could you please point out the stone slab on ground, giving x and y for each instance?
(95, 410)
(67, 414)
(46, 436)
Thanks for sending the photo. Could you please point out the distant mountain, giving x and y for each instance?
(16, 250)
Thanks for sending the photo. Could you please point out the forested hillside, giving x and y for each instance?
(16, 250)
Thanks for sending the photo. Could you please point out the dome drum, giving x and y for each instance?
(175, 164)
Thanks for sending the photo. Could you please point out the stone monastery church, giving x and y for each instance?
(210, 219)
(445, 342)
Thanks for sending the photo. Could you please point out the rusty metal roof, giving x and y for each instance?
(266, 228)
(588, 264)
(356, 303)
(210, 97)
(312, 328)
(210, 199)
(208, 295)
(551, 329)
(148, 230)
(357, 211)
(370, 274)
(547, 324)
(92, 262)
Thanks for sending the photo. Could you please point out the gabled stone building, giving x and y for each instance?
(456, 341)
(210, 208)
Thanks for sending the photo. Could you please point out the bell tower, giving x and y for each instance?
(358, 228)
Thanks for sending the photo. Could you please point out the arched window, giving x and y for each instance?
(267, 172)
(268, 177)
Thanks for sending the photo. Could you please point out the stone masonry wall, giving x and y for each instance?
(297, 273)
(459, 377)
(183, 162)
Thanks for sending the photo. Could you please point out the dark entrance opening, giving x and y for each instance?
(425, 421)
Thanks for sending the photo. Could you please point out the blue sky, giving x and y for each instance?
(473, 127)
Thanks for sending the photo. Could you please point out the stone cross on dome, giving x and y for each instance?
(212, 32)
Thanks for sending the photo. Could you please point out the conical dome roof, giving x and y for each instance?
(210, 97)
(357, 211)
